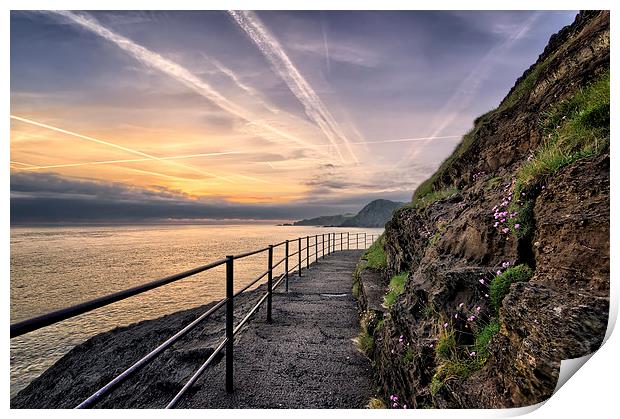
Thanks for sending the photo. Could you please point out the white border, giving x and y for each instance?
(592, 392)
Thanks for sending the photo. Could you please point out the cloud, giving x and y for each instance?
(176, 71)
(284, 67)
(470, 85)
(116, 146)
(50, 198)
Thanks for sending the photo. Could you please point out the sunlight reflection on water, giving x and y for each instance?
(54, 267)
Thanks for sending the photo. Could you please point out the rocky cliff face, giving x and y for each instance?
(499, 268)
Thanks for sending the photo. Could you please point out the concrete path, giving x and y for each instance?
(306, 357)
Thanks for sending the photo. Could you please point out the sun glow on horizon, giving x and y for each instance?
(239, 110)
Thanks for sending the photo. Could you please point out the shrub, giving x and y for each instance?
(397, 286)
(500, 285)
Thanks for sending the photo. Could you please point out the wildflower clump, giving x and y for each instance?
(396, 403)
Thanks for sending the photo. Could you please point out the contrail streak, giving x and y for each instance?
(22, 164)
(284, 67)
(174, 70)
(93, 163)
(254, 179)
(325, 44)
(240, 84)
(400, 140)
(471, 84)
(109, 144)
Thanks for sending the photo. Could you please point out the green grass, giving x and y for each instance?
(434, 196)
(429, 311)
(445, 348)
(493, 183)
(483, 338)
(500, 285)
(408, 356)
(366, 342)
(442, 226)
(430, 185)
(375, 254)
(525, 86)
(454, 369)
(575, 128)
(397, 286)
(355, 290)
(454, 361)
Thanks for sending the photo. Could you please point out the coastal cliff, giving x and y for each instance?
(499, 267)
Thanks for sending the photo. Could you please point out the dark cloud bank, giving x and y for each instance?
(43, 198)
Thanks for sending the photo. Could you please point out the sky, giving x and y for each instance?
(248, 115)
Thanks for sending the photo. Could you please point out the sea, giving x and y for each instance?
(55, 267)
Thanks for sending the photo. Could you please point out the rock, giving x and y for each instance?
(452, 251)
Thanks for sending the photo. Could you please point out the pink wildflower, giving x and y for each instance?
(445, 325)
(460, 305)
(481, 281)
(517, 226)
(478, 309)
(472, 353)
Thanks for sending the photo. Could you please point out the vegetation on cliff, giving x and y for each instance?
(508, 243)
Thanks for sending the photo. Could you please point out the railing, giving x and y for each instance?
(332, 242)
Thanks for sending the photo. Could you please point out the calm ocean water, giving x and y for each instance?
(54, 267)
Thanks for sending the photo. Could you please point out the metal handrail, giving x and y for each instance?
(35, 323)
(48, 319)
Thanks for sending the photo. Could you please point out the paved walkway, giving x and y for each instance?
(306, 357)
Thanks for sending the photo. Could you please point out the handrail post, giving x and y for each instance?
(357, 240)
(229, 323)
(307, 252)
(323, 246)
(340, 241)
(333, 242)
(316, 247)
(269, 282)
(286, 266)
(365, 241)
(348, 241)
(299, 255)
(329, 243)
